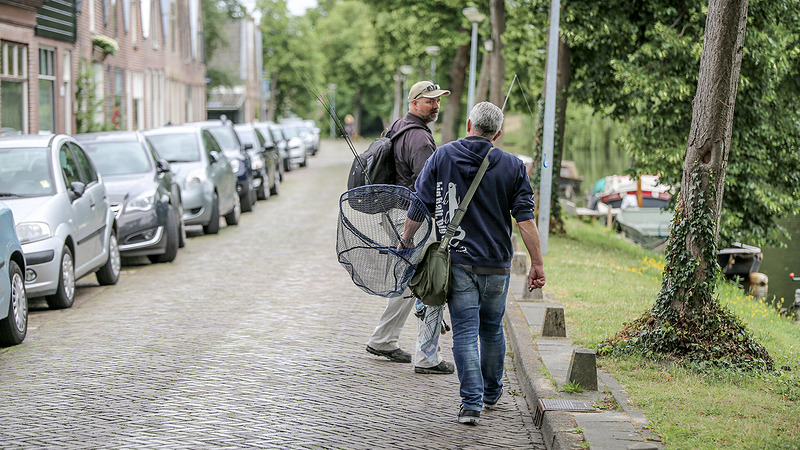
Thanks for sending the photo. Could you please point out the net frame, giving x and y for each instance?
(371, 223)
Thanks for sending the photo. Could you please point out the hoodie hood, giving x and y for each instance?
(468, 153)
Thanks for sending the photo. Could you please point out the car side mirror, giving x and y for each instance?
(77, 189)
(163, 166)
(248, 145)
(214, 157)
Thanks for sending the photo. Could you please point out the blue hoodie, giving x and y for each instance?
(484, 236)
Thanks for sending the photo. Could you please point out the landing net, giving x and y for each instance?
(371, 221)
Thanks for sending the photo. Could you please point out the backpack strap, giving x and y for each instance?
(397, 133)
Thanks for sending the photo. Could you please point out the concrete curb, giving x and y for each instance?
(558, 427)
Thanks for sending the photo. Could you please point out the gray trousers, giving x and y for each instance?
(391, 324)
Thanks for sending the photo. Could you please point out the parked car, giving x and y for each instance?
(304, 133)
(275, 144)
(274, 131)
(13, 300)
(236, 152)
(263, 151)
(315, 131)
(204, 173)
(63, 218)
(143, 192)
(295, 146)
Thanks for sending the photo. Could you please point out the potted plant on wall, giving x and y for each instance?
(103, 46)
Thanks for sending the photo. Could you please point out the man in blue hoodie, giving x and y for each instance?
(481, 249)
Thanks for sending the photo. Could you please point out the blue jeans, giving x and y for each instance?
(477, 304)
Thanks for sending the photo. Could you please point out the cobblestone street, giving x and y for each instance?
(254, 337)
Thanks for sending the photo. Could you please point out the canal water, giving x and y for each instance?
(778, 263)
(593, 146)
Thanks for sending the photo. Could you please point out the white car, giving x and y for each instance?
(63, 217)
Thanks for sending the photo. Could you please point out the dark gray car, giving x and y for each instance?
(144, 194)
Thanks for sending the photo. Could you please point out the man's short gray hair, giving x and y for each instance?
(487, 119)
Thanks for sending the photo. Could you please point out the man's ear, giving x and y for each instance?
(469, 126)
(497, 135)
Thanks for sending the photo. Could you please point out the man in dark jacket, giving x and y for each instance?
(481, 250)
(411, 150)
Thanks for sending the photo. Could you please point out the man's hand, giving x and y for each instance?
(536, 278)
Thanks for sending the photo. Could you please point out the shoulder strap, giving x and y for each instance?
(403, 130)
(462, 207)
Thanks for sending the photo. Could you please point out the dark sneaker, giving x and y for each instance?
(492, 405)
(443, 368)
(396, 355)
(468, 416)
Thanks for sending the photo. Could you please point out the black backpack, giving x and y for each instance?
(377, 161)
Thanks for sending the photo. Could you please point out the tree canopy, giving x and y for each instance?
(635, 61)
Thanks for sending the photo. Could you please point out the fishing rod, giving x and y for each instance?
(323, 100)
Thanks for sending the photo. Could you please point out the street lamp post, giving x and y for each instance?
(474, 16)
(433, 51)
(406, 71)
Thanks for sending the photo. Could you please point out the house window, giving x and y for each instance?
(47, 98)
(118, 112)
(13, 88)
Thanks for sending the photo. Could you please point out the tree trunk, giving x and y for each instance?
(686, 321)
(562, 98)
(357, 112)
(498, 66)
(707, 155)
(452, 113)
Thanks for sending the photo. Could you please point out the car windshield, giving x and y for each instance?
(25, 172)
(118, 158)
(225, 139)
(289, 132)
(174, 148)
(248, 136)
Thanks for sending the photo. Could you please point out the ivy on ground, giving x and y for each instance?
(687, 322)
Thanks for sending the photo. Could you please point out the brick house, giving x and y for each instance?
(242, 57)
(51, 71)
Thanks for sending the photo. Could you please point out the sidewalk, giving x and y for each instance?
(558, 416)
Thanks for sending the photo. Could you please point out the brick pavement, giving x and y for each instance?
(251, 338)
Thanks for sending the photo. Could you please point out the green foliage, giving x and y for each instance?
(89, 104)
(641, 63)
(215, 14)
(222, 76)
(573, 387)
(293, 59)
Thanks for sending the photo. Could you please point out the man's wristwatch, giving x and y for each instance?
(406, 241)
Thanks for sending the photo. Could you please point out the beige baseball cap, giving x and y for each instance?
(426, 89)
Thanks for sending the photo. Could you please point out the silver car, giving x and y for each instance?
(13, 301)
(63, 218)
(206, 178)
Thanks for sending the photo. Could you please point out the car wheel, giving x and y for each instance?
(212, 227)
(65, 292)
(232, 218)
(287, 165)
(247, 199)
(263, 191)
(173, 236)
(276, 189)
(182, 233)
(109, 273)
(15, 326)
(305, 160)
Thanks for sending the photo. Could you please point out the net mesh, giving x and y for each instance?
(371, 221)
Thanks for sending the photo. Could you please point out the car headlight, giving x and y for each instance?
(28, 232)
(143, 202)
(235, 165)
(195, 179)
(256, 163)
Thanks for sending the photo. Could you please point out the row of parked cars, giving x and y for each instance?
(71, 206)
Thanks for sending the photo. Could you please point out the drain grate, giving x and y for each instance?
(554, 404)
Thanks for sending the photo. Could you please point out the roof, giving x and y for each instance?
(225, 101)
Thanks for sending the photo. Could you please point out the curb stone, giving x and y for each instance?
(603, 429)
